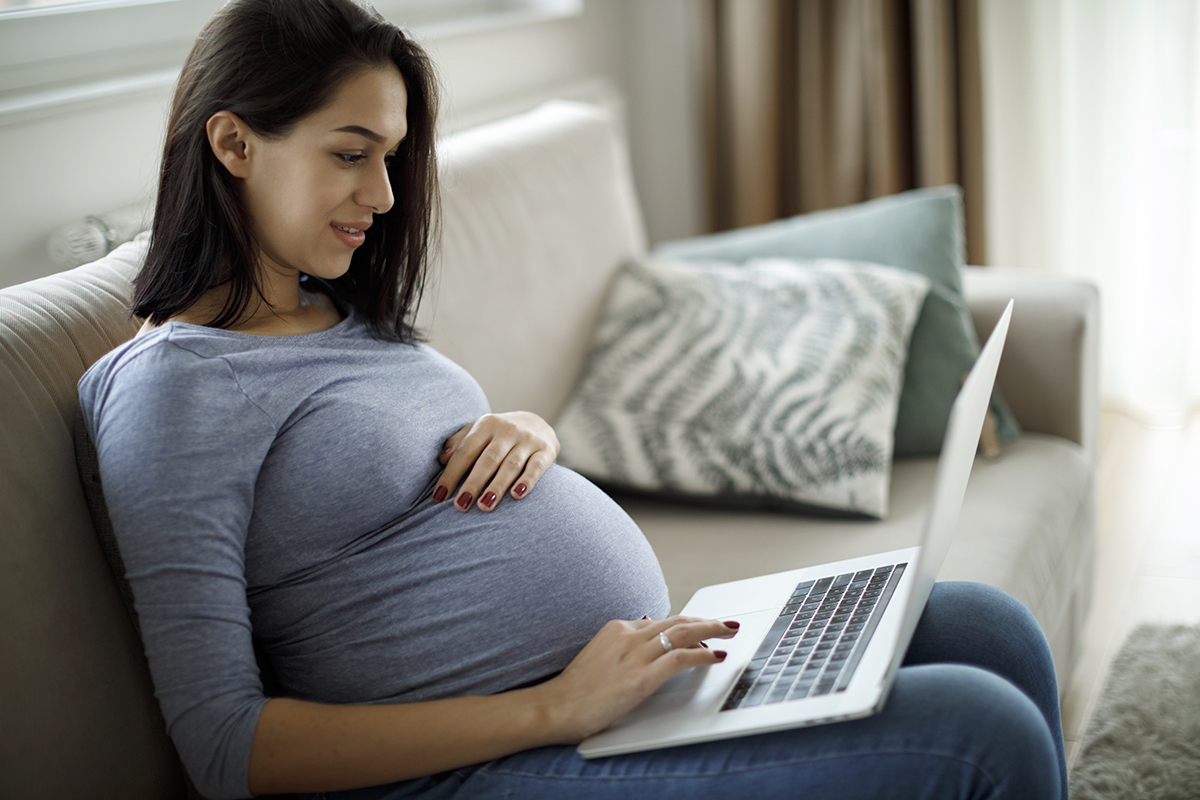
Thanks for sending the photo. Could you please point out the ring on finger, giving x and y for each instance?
(665, 641)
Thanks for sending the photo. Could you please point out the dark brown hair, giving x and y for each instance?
(272, 63)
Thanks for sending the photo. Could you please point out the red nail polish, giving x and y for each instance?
(520, 490)
(464, 500)
(645, 616)
(702, 644)
(489, 500)
(447, 449)
(720, 654)
(440, 494)
(733, 626)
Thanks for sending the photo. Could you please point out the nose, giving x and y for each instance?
(375, 191)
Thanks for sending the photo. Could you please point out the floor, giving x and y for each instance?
(1147, 549)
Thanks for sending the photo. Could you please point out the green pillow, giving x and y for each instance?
(921, 231)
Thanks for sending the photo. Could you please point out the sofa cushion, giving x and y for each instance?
(921, 231)
(772, 384)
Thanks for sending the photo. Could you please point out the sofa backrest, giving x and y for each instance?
(79, 716)
(538, 213)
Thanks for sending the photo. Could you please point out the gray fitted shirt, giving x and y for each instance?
(279, 488)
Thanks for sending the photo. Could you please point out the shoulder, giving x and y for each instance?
(161, 352)
(170, 367)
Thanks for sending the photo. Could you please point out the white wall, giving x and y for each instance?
(59, 168)
(663, 87)
(84, 159)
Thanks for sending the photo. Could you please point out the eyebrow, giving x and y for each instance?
(361, 131)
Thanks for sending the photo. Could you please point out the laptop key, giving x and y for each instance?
(755, 696)
(773, 636)
(802, 588)
(778, 692)
(740, 689)
(800, 690)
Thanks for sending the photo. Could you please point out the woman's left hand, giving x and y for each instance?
(497, 454)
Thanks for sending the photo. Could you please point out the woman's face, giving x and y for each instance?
(313, 194)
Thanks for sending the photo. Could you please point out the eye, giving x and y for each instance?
(351, 158)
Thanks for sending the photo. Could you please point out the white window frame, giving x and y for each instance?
(53, 58)
(46, 48)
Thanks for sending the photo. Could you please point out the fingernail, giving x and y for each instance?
(702, 644)
(733, 626)
(440, 494)
(645, 616)
(720, 654)
(520, 490)
(489, 500)
(464, 500)
(447, 450)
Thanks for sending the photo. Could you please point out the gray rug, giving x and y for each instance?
(1144, 739)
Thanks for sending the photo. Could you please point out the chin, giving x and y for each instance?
(328, 272)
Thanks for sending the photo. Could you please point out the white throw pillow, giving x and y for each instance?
(772, 384)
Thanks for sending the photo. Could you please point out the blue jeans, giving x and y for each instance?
(974, 713)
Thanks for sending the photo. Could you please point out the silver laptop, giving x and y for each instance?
(819, 644)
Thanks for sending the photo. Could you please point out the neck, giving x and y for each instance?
(281, 295)
(283, 309)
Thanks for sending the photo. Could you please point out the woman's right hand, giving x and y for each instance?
(621, 666)
(301, 746)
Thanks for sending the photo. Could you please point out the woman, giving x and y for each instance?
(446, 610)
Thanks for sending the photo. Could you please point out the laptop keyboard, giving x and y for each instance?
(818, 639)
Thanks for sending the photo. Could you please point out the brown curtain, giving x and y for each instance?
(814, 104)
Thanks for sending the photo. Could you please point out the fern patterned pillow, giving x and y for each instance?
(774, 383)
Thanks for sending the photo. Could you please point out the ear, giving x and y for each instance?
(230, 140)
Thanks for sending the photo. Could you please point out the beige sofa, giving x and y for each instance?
(538, 212)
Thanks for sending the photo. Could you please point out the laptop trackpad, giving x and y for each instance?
(717, 678)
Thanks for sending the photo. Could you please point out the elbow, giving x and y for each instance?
(216, 757)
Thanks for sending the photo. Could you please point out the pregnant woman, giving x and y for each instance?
(446, 610)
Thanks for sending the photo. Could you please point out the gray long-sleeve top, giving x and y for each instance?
(279, 487)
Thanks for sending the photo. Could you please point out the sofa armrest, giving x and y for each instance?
(1049, 373)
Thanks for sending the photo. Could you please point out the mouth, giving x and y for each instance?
(350, 235)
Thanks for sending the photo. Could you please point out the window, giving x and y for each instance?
(50, 48)
(46, 47)
(13, 5)
(58, 54)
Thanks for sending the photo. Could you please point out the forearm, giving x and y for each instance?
(308, 747)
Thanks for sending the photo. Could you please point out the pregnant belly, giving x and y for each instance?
(447, 603)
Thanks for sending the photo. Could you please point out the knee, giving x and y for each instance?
(972, 623)
(964, 602)
(986, 723)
